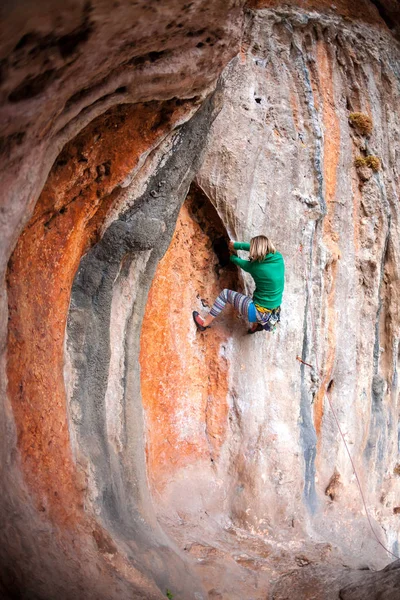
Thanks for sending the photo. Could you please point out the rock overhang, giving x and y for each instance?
(120, 234)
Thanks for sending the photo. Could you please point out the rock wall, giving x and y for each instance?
(141, 458)
(282, 159)
(291, 149)
(103, 94)
(185, 377)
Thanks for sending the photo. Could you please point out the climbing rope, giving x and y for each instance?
(313, 333)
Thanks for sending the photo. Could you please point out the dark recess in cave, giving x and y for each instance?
(204, 213)
(385, 16)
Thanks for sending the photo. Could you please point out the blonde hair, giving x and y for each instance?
(260, 246)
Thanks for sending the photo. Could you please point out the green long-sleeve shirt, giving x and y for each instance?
(269, 276)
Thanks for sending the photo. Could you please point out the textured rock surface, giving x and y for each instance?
(280, 159)
(64, 65)
(64, 69)
(233, 482)
(186, 395)
(35, 364)
(384, 584)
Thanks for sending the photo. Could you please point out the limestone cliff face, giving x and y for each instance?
(281, 158)
(141, 458)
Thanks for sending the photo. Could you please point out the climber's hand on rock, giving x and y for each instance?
(230, 246)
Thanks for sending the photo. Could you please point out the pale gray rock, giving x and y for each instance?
(279, 515)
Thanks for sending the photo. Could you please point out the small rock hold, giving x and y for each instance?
(302, 561)
(364, 173)
(310, 201)
(333, 486)
(299, 20)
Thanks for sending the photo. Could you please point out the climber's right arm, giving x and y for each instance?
(243, 264)
(241, 246)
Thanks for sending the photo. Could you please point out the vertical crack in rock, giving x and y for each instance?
(309, 95)
(380, 421)
(377, 438)
(308, 434)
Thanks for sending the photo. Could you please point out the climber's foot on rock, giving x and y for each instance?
(255, 327)
(199, 321)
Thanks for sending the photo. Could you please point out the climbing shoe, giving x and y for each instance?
(198, 325)
(256, 327)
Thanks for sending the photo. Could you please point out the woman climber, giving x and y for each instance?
(267, 268)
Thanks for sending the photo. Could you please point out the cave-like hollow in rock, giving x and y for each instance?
(140, 458)
(185, 374)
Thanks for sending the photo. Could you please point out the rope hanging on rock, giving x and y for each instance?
(313, 333)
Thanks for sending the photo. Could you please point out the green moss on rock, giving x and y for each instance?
(373, 162)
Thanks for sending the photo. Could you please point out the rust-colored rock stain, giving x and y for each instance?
(294, 105)
(184, 374)
(330, 235)
(80, 190)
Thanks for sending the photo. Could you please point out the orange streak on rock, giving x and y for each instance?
(294, 104)
(72, 206)
(330, 235)
(184, 377)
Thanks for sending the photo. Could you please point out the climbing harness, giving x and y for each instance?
(274, 319)
(270, 317)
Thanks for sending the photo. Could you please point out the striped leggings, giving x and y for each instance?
(239, 301)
